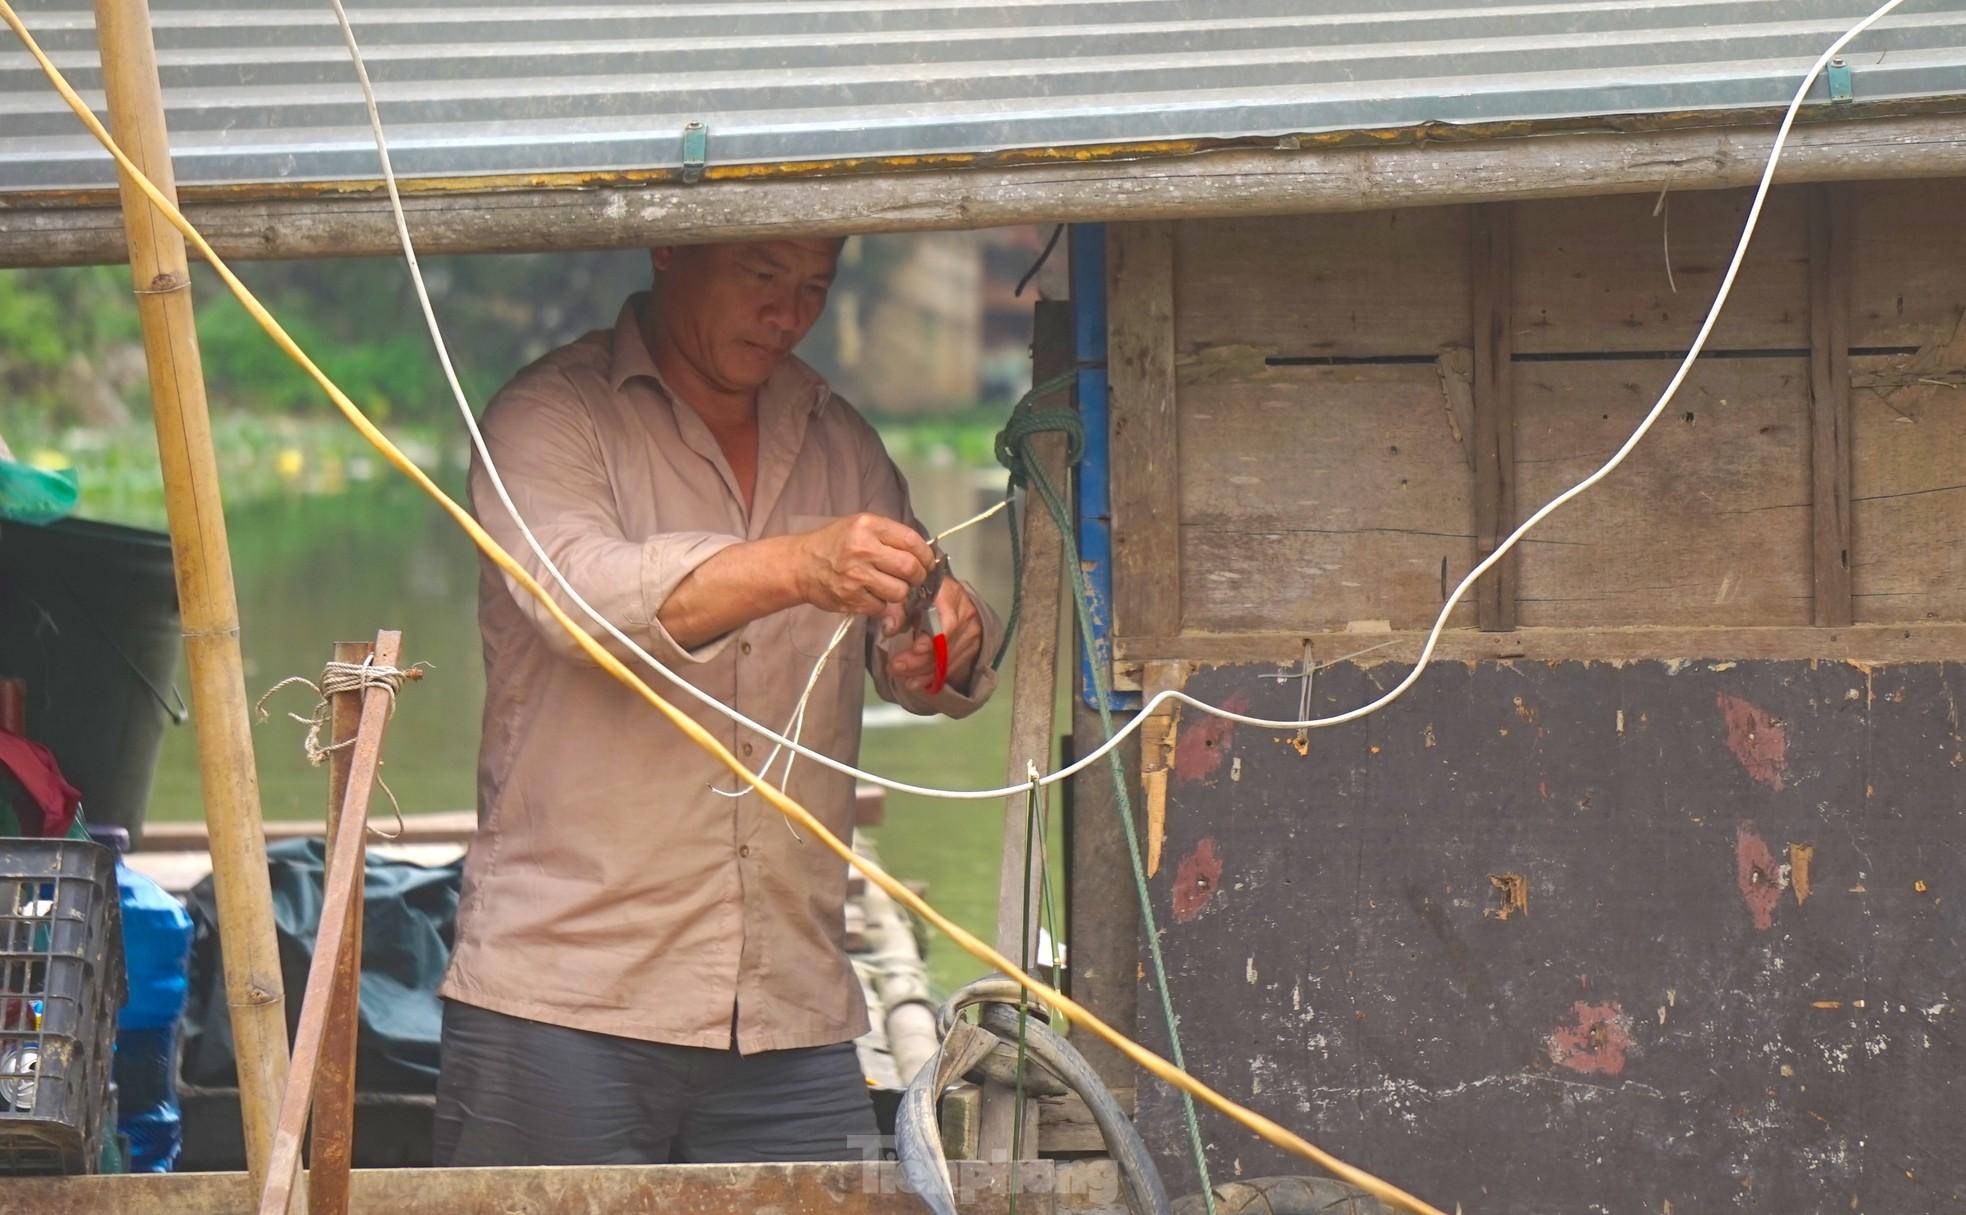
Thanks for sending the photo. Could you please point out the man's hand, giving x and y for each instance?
(914, 666)
(862, 564)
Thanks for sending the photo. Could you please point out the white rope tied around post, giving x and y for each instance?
(339, 679)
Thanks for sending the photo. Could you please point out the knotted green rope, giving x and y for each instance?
(1014, 453)
(1013, 447)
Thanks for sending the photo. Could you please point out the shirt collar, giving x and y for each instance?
(791, 386)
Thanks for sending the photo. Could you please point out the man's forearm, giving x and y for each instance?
(736, 586)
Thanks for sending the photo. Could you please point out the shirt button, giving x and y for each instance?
(744, 647)
(747, 748)
(745, 850)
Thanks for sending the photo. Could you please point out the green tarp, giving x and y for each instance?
(409, 914)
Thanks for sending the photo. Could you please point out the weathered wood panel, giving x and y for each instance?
(1829, 404)
(872, 1187)
(1707, 522)
(1735, 985)
(1146, 461)
(1908, 261)
(1592, 273)
(1355, 285)
(1863, 643)
(1909, 491)
(1313, 497)
(1492, 289)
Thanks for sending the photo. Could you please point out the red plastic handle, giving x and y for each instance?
(941, 664)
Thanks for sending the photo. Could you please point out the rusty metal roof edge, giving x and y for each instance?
(785, 174)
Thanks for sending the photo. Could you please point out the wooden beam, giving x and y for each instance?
(1861, 643)
(248, 222)
(203, 564)
(1145, 457)
(334, 939)
(1492, 296)
(1034, 698)
(863, 1187)
(1102, 914)
(1829, 404)
(334, 1104)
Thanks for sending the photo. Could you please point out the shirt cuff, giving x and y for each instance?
(666, 561)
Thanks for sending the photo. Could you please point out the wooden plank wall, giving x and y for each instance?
(1328, 401)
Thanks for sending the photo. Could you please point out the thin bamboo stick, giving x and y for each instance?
(334, 1097)
(335, 943)
(206, 601)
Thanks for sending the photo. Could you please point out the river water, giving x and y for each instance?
(314, 568)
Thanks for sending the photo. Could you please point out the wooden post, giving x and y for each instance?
(334, 944)
(1492, 280)
(334, 1101)
(1829, 404)
(1146, 462)
(206, 602)
(1034, 697)
(1102, 912)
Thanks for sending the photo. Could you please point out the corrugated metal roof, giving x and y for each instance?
(259, 93)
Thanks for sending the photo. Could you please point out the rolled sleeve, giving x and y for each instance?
(666, 561)
(553, 467)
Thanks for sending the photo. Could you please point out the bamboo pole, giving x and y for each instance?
(206, 601)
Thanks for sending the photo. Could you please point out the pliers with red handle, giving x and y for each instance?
(924, 617)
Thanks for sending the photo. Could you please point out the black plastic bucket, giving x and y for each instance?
(89, 618)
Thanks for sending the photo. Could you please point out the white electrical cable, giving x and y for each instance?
(1153, 705)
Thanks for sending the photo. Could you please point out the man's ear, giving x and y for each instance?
(661, 257)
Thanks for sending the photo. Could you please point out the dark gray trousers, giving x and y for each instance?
(517, 1092)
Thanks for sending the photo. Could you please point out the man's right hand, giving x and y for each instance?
(862, 564)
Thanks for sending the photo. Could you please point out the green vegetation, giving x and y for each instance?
(73, 387)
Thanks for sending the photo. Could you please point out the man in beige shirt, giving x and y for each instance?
(647, 970)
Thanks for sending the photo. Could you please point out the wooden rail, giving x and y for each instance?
(324, 1046)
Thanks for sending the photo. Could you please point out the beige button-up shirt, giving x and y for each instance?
(610, 888)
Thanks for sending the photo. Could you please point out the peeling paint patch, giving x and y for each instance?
(1800, 857)
(1594, 1041)
(1196, 880)
(1201, 747)
(1757, 740)
(1512, 893)
(1756, 874)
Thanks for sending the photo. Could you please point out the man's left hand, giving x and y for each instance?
(914, 666)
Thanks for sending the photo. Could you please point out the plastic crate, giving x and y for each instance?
(61, 982)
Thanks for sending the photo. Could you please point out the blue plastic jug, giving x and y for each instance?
(156, 945)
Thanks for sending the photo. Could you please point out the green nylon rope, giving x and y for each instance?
(1014, 453)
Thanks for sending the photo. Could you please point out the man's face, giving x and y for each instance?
(736, 311)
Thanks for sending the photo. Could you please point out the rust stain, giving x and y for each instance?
(1594, 1041)
(1757, 740)
(1200, 748)
(1524, 711)
(1755, 873)
(1800, 858)
(1196, 881)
